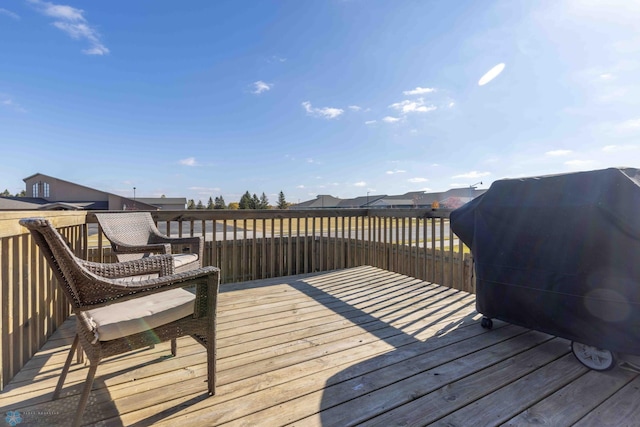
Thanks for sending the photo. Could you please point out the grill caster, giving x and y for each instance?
(486, 323)
(594, 358)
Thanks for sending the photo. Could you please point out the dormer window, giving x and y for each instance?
(40, 189)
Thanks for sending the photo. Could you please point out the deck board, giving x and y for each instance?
(359, 346)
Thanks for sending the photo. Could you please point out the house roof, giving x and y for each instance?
(321, 201)
(412, 198)
(360, 201)
(162, 200)
(34, 203)
(21, 203)
(391, 202)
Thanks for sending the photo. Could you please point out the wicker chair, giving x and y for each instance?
(106, 297)
(134, 235)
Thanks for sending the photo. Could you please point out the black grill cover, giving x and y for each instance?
(560, 254)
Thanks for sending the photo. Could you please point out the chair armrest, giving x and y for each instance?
(195, 243)
(100, 291)
(162, 248)
(161, 264)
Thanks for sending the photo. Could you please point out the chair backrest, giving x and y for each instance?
(128, 228)
(58, 255)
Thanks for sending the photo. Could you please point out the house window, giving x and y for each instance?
(40, 189)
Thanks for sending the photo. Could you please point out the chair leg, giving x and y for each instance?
(174, 347)
(80, 355)
(211, 364)
(84, 398)
(65, 368)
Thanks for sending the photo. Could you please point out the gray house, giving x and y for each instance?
(452, 198)
(44, 192)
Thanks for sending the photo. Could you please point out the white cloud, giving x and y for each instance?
(326, 112)
(300, 186)
(415, 106)
(607, 76)
(360, 184)
(491, 74)
(9, 14)
(355, 107)
(390, 119)
(393, 172)
(629, 125)
(260, 86)
(472, 175)
(417, 180)
(8, 103)
(189, 161)
(556, 153)
(419, 91)
(72, 21)
(370, 122)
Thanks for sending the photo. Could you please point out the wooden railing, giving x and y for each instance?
(246, 245)
(32, 306)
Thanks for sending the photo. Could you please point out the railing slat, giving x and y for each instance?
(415, 242)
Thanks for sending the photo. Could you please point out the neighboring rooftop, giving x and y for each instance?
(44, 192)
(452, 198)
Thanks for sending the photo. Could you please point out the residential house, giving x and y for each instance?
(44, 192)
(452, 198)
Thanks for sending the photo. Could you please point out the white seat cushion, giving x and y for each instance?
(183, 259)
(140, 314)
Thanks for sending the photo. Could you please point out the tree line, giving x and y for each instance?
(247, 201)
(6, 193)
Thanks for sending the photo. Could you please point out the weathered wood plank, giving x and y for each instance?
(571, 403)
(621, 409)
(358, 346)
(513, 398)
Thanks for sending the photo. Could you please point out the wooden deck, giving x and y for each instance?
(359, 346)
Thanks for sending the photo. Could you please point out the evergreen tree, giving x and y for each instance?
(5, 193)
(210, 203)
(220, 203)
(264, 202)
(191, 204)
(23, 193)
(199, 205)
(245, 201)
(282, 203)
(255, 202)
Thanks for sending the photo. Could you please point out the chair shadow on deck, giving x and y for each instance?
(40, 409)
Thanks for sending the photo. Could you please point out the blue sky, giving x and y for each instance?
(202, 99)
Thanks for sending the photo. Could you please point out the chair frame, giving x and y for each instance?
(134, 235)
(90, 285)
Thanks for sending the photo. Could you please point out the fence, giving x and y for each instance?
(246, 245)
